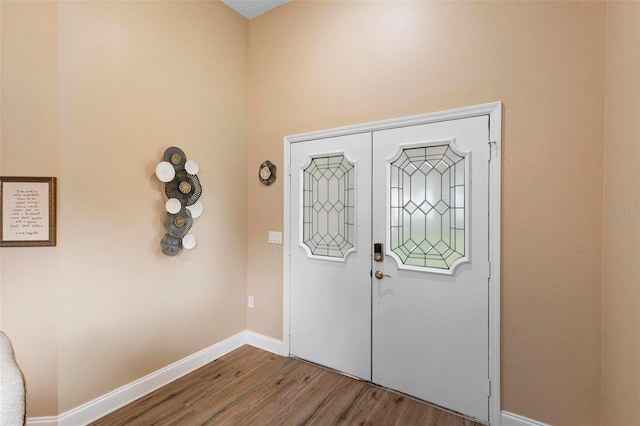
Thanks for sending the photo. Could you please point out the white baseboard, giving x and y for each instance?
(265, 343)
(43, 421)
(111, 401)
(510, 419)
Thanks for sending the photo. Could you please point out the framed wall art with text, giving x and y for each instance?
(28, 211)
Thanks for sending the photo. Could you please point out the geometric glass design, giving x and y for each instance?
(427, 202)
(328, 205)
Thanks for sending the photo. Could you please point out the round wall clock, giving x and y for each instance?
(267, 173)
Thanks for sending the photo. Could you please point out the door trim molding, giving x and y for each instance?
(494, 111)
(495, 209)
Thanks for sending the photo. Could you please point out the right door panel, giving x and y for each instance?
(430, 308)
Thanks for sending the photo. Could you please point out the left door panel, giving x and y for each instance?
(330, 295)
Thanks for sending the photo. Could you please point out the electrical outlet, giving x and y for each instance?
(250, 302)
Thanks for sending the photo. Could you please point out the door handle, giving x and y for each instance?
(380, 275)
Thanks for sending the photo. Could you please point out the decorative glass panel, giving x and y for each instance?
(428, 206)
(328, 205)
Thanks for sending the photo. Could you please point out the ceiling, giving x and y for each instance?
(252, 8)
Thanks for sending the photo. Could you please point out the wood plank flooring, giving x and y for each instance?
(252, 387)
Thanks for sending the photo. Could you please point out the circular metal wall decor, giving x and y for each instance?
(176, 157)
(184, 187)
(170, 245)
(177, 225)
(183, 190)
(267, 173)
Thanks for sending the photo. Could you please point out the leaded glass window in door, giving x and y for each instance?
(328, 207)
(427, 207)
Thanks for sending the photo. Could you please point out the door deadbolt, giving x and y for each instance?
(377, 252)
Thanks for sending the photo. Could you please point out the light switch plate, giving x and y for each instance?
(275, 237)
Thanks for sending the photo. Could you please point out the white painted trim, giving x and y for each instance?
(42, 421)
(286, 247)
(510, 419)
(113, 400)
(495, 207)
(404, 121)
(265, 343)
(494, 111)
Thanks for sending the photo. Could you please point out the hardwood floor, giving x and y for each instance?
(252, 387)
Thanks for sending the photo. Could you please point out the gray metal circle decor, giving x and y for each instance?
(186, 189)
(175, 156)
(170, 245)
(178, 225)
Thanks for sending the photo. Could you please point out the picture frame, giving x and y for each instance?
(27, 211)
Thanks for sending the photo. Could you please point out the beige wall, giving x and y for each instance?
(93, 92)
(621, 294)
(317, 65)
(29, 277)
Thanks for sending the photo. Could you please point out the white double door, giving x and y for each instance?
(389, 261)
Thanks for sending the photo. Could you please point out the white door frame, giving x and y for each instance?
(494, 111)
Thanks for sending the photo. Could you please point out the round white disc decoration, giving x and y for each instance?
(191, 167)
(165, 171)
(173, 205)
(196, 209)
(189, 241)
